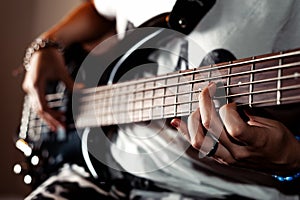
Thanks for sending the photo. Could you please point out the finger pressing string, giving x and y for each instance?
(181, 128)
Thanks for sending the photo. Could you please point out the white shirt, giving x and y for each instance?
(245, 28)
(129, 11)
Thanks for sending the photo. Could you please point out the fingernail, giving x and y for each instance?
(212, 88)
(211, 84)
(175, 123)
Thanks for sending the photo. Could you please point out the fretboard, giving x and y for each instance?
(266, 80)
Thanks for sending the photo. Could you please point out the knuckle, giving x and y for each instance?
(24, 86)
(226, 159)
(240, 155)
(261, 143)
(224, 109)
(206, 123)
(41, 110)
(192, 116)
(196, 144)
(30, 85)
(230, 161)
(194, 119)
(236, 131)
(203, 94)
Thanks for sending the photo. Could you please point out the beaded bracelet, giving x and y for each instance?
(288, 178)
(36, 45)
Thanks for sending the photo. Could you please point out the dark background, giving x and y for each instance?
(20, 22)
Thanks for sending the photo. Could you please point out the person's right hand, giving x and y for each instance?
(46, 65)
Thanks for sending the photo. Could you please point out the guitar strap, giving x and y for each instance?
(184, 17)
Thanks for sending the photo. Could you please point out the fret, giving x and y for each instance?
(271, 74)
(114, 104)
(228, 83)
(103, 108)
(251, 84)
(139, 101)
(209, 73)
(183, 93)
(122, 108)
(176, 99)
(142, 101)
(127, 105)
(146, 103)
(279, 74)
(100, 106)
(158, 98)
(111, 105)
(136, 103)
(107, 106)
(164, 99)
(130, 106)
(169, 97)
(294, 73)
(237, 87)
(191, 94)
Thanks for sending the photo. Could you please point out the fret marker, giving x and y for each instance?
(239, 83)
(296, 75)
(200, 89)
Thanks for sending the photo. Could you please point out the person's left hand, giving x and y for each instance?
(261, 144)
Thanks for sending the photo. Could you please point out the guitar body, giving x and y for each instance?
(97, 141)
(98, 146)
(133, 63)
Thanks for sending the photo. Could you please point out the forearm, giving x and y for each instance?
(84, 24)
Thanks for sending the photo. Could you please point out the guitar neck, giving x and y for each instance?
(266, 80)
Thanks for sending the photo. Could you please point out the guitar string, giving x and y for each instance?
(294, 87)
(110, 99)
(161, 106)
(37, 119)
(90, 120)
(202, 70)
(114, 119)
(54, 101)
(197, 91)
(101, 94)
(216, 68)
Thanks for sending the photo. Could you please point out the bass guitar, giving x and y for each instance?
(266, 84)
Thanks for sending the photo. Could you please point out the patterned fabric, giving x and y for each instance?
(72, 182)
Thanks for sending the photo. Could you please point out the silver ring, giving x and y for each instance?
(213, 149)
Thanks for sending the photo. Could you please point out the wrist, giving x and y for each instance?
(37, 45)
(57, 36)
